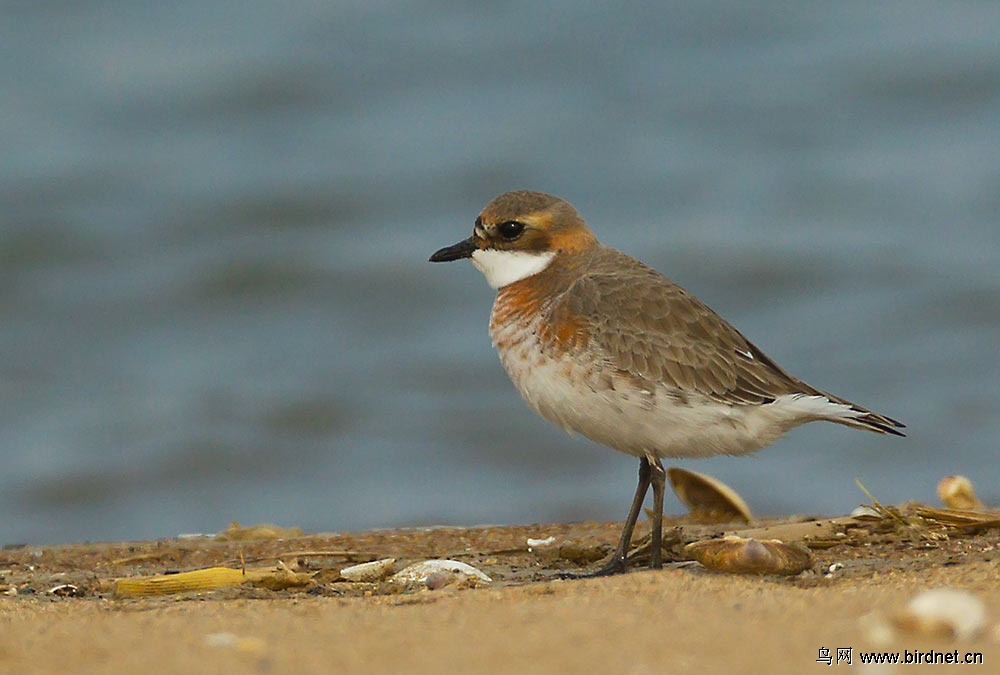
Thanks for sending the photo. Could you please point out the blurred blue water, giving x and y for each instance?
(216, 219)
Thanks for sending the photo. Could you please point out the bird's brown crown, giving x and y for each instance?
(532, 221)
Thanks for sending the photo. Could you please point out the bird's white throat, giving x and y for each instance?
(502, 268)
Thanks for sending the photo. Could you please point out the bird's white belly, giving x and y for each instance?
(585, 396)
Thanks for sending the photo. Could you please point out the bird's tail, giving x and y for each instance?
(855, 416)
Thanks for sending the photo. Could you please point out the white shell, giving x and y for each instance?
(540, 543)
(65, 590)
(944, 610)
(418, 572)
(376, 570)
(865, 512)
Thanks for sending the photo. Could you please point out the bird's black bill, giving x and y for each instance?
(462, 249)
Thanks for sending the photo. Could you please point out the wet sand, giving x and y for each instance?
(682, 618)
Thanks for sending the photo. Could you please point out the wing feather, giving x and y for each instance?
(649, 328)
(654, 332)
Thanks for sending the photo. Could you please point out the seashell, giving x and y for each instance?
(376, 570)
(956, 492)
(418, 573)
(944, 612)
(708, 498)
(833, 569)
(737, 555)
(865, 512)
(236, 532)
(65, 590)
(540, 543)
(210, 579)
(877, 630)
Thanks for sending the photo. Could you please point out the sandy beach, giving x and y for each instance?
(62, 609)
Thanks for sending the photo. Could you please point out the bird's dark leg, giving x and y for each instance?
(658, 479)
(619, 561)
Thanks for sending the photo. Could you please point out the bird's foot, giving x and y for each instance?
(616, 565)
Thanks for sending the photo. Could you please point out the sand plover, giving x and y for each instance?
(604, 346)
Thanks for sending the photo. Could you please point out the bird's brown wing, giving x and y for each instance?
(651, 329)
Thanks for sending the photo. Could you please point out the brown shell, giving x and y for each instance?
(956, 492)
(737, 555)
(708, 498)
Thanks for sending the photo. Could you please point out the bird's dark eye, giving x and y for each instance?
(510, 229)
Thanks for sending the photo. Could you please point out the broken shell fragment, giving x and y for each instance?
(944, 612)
(65, 590)
(210, 579)
(376, 570)
(956, 492)
(737, 555)
(420, 572)
(708, 498)
(540, 543)
(275, 578)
